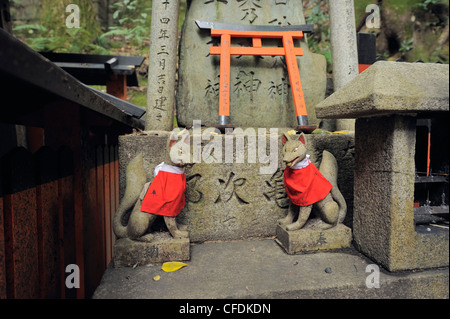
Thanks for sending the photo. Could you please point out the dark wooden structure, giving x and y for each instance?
(59, 179)
(116, 72)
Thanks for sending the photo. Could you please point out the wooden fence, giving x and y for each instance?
(58, 192)
(56, 208)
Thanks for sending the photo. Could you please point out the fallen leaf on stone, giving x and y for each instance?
(291, 132)
(172, 266)
(156, 278)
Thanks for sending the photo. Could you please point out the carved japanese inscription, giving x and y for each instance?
(162, 69)
(259, 91)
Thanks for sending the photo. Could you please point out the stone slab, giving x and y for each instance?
(308, 240)
(262, 269)
(390, 87)
(128, 253)
(232, 201)
(259, 87)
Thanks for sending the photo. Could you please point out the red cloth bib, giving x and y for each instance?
(306, 186)
(165, 196)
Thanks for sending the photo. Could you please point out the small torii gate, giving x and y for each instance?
(286, 33)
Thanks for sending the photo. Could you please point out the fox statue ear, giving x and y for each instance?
(285, 138)
(174, 136)
(173, 139)
(302, 139)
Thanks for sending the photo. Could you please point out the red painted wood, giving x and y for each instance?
(289, 51)
(21, 240)
(116, 85)
(2, 243)
(46, 164)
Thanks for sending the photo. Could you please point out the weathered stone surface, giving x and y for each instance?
(260, 90)
(343, 149)
(152, 147)
(260, 269)
(128, 253)
(383, 223)
(163, 65)
(343, 42)
(227, 199)
(388, 88)
(307, 240)
(388, 96)
(344, 51)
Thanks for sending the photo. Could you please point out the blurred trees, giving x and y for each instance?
(410, 30)
(105, 25)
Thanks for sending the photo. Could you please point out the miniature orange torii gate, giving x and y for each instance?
(256, 33)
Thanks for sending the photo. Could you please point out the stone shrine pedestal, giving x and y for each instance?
(387, 99)
(162, 248)
(233, 198)
(308, 240)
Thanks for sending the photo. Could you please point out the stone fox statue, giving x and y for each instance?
(164, 196)
(309, 187)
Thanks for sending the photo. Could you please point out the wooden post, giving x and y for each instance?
(66, 212)
(2, 242)
(107, 202)
(101, 201)
(21, 239)
(224, 100)
(48, 222)
(294, 78)
(116, 85)
(63, 128)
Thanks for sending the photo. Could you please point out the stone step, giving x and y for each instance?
(262, 269)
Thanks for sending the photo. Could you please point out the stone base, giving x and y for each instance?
(235, 201)
(307, 240)
(128, 253)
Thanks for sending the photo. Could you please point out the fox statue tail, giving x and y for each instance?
(135, 181)
(329, 169)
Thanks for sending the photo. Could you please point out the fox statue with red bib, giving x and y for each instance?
(308, 187)
(163, 196)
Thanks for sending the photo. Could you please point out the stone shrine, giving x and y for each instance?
(387, 99)
(235, 188)
(228, 198)
(260, 90)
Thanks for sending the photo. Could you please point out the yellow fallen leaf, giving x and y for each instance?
(291, 132)
(156, 278)
(172, 266)
(340, 132)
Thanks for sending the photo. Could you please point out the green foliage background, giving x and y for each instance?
(411, 30)
(130, 28)
(51, 33)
